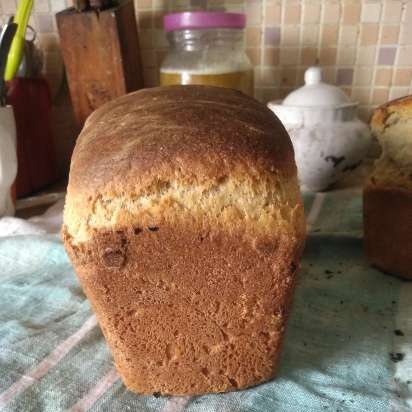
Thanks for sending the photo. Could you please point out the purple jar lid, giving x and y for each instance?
(203, 20)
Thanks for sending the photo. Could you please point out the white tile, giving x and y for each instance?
(58, 5)
(371, 12)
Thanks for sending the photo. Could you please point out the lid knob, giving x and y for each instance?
(313, 75)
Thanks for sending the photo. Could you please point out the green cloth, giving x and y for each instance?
(348, 344)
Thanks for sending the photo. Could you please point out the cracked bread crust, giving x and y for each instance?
(176, 137)
(185, 225)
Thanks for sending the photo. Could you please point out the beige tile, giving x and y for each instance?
(392, 11)
(405, 56)
(403, 77)
(269, 94)
(370, 12)
(159, 39)
(363, 76)
(292, 13)
(361, 94)
(311, 13)
(327, 56)
(329, 34)
(346, 56)
(349, 35)
(300, 78)
(310, 34)
(144, 19)
(406, 33)
(271, 57)
(389, 34)
(49, 42)
(234, 8)
(290, 35)
(380, 96)
(253, 36)
(157, 18)
(289, 56)
(331, 12)
(160, 56)
(365, 113)
(383, 77)
(160, 4)
(8, 6)
(145, 38)
(148, 58)
(366, 56)
(396, 92)
(347, 91)
(407, 14)
(369, 33)
(273, 14)
(254, 12)
(151, 77)
(351, 12)
(288, 77)
(270, 76)
(142, 4)
(308, 56)
(44, 23)
(257, 75)
(41, 6)
(329, 75)
(254, 55)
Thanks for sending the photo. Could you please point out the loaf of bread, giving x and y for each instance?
(388, 193)
(185, 225)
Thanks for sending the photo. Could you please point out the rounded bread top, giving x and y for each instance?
(189, 133)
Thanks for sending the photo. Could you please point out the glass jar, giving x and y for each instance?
(207, 48)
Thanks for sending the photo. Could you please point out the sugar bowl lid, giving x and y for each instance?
(316, 93)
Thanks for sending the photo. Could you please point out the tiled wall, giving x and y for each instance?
(364, 46)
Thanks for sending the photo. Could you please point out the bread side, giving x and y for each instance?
(388, 229)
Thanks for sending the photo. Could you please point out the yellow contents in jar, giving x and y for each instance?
(240, 80)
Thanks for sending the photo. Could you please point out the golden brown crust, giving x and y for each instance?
(388, 229)
(209, 319)
(195, 131)
(381, 117)
(176, 146)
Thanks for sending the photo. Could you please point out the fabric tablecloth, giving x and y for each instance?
(348, 344)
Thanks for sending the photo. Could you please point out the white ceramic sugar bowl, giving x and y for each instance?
(327, 136)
